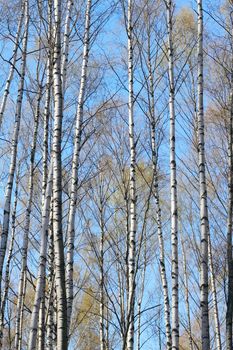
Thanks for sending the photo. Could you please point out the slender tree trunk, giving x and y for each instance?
(75, 167)
(12, 67)
(65, 53)
(50, 317)
(107, 326)
(158, 208)
(173, 184)
(10, 180)
(38, 311)
(203, 192)
(229, 313)
(40, 285)
(215, 300)
(187, 291)
(8, 262)
(141, 295)
(132, 182)
(23, 271)
(57, 188)
(102, 333)
(49, 71)
(41, 324)
(21, 313)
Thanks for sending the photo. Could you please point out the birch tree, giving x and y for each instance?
(9, 258)
(229, 313)
(57, 187)
(23, 271)
(12, 64)
(204, 224)
(10, 180)
(132, 181)
(173, 182)
(75, 164)
(40, 286)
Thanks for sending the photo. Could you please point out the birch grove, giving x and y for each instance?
(116, 163)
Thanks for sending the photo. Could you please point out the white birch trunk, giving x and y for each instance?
(66, 42)
(101, 260)
(187, 291)
(8, 262)
(215, 300)
(203, 191)
(10, 180)
(173, 184)
(229, 312)
(51, 276)
(41, 323)
(46, 113)
(39, 300)
(75, 167)
(27, 224)
(40, 285)
(12, 67)
(141, 295)
(132, 183)
(21, 313)
(57, 188)
(158, 209)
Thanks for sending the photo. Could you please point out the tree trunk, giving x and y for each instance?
(57, 188)
(49, 71)
(173, 183)
(132, 183)
(40, 285)
(215, 300)
(50, 316)
(27, 221)
(141, 294)
(65, 53)
(187, 291)
(8, 262)
(229, 312)
(10, 180)
(12, 67)
(101, 259)
(203, 191)
(75, 167)
(158, 207)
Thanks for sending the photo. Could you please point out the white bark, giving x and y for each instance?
(50, 316)
(46, 113)
(57, 188)
(66, 42)
(102, 281)
(23, 271)
(203, 191)
(162, 264)
(38, 312)
(21, 313)
(229, 312)
(141, 294)
(12, 67)
(41, 323)
(173, 184)
(40, 285)
(10, 180)
(187, 291)
(75, 167)
(132, 183)
(8, 262)
(215, 300)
